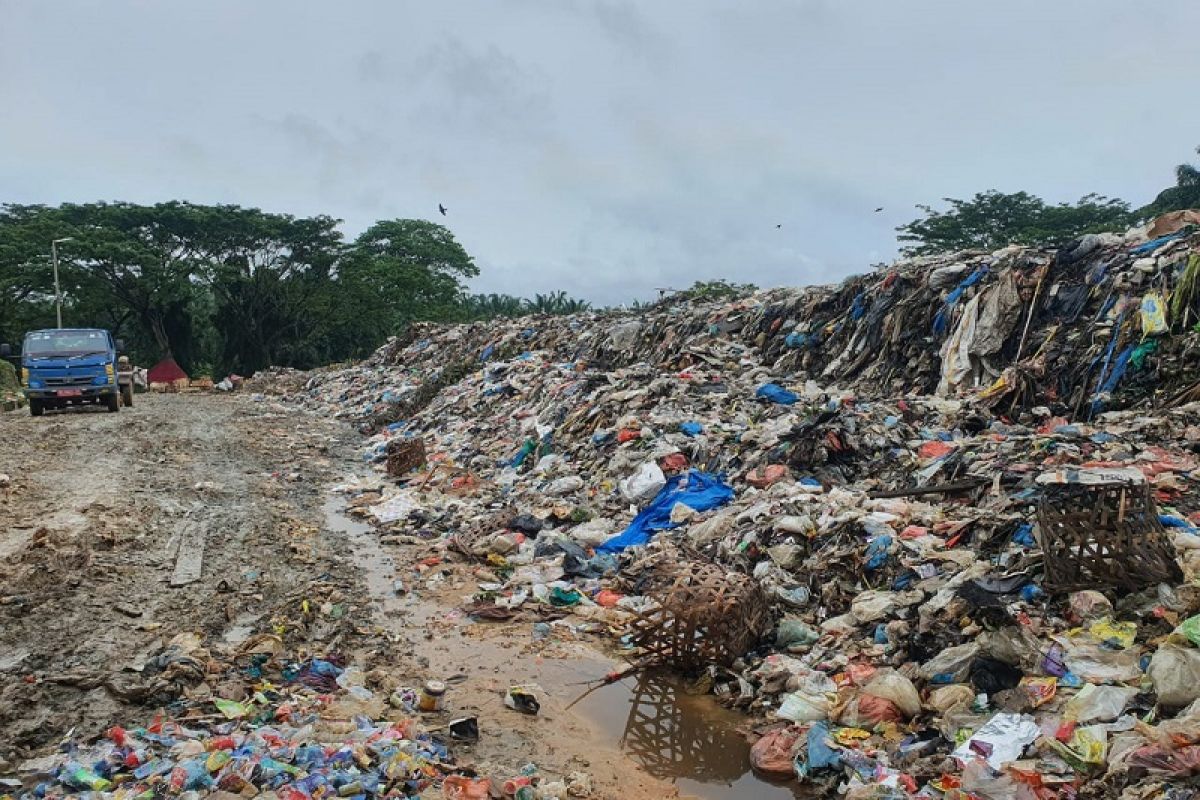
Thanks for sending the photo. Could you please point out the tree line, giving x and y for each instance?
(991, 220)
(229, 289)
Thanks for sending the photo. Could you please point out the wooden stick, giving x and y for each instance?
(913, 491)
(1032, 308)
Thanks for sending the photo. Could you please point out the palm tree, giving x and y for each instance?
(1184, 194)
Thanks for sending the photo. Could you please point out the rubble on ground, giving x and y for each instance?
(880, 459)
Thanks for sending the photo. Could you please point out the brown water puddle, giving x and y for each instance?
(686, 741)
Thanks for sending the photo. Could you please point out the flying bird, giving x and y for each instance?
(442, 209)
(780, 225)
(879, 209)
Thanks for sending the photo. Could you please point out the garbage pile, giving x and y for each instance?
(1103, 322)
(265, 724)
(981, 579)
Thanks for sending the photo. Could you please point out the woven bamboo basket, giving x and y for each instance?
(1104, 535)
(704, 615)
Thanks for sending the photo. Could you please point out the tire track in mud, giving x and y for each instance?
(90, 530)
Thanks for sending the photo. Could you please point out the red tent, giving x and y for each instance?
(166, 371)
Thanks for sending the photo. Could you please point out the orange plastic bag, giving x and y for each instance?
(772, 754)
(457, 787)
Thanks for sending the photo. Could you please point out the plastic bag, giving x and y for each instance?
(1162, 760)
(867, 710)
(1190, 628)
(804, 707)
(772, 754)
(1089, 604)
(1099, 664)
(893, 686)
(1175, 672)
(644, 484)
(776, 394)
(872, 604)
(1121, 634)
(1086, 748)
(952, 698)
(1104, 703)
(793, 631)
(951, 665)
(992, 676)
(1154, 314)
(1039, 690)
(982, 781)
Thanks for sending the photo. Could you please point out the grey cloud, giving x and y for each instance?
(606, 147)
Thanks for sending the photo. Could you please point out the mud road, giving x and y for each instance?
(97, 512)
(212, 516)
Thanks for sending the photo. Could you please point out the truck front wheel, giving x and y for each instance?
(35, 407)
(113, 402)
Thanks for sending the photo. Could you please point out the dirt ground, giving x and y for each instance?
(94, 518)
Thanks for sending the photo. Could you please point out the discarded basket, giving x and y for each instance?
(1104, 535)
(704, 615)
(405, 455)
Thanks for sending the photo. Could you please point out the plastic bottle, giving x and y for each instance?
(81, 777)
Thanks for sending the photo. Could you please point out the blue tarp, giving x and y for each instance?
(859, 306)
(691, 428)
(776, 394)
(1154, 244)
(942, 321)
(699, 490)
(1169, 521)
(1023, 535)
(1114, 377)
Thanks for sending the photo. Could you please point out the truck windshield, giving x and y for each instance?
(64, 344)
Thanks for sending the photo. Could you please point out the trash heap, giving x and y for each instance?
(965, 572)
(267, 718)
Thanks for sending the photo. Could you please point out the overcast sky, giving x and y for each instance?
(603, 148)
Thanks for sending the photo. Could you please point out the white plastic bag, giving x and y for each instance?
(644, 484)
(1175, 672)
(804, 707)
(891, 685)
(1103, 703)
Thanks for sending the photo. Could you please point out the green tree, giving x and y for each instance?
(404, 270)
(991, 220)
(270, 276)
(718, 290)
(1184, 194)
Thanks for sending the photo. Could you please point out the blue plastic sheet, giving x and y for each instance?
(820, 754)
(776, 394)
(1169, 521)
(795, 339)
(1023, 535)
(1154, 244)
(699, 490)
(1114, 377)
(877, 552)
(942, 321)
(691, 428)
(858, 307)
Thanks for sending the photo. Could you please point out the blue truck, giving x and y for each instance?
(62, 367)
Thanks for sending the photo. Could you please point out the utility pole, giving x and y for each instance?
(57, 291)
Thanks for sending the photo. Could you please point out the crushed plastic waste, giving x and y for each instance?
(873, 456)
(302, 732)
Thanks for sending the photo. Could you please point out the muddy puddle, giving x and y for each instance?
(686, 740)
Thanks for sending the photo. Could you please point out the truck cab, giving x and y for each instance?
(69, 366)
